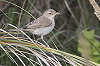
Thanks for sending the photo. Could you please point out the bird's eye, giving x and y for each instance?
(49, 13)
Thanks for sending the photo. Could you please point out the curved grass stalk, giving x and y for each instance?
(76, 59)
(5, 15)
(16, 55)
(20, 8)
(9, 55)
(31, 41)
(22, 54)
(23, 46)
(31, 60)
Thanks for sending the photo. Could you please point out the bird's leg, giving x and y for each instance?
(42, 37)
(44, 41)
(34, 36)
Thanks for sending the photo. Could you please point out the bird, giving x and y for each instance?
(41, 26)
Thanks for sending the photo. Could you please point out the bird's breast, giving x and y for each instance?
(44, 30)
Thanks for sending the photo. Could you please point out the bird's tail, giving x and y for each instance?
(15, 29)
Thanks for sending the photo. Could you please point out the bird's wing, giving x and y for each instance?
(38, 23)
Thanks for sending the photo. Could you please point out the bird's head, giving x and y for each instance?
(50, 13)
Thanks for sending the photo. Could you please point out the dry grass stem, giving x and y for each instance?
(96, 8)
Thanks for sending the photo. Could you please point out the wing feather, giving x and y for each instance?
(39, 23)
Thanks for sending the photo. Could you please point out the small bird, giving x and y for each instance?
(42, 25)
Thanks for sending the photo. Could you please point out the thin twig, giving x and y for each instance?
(20, 14)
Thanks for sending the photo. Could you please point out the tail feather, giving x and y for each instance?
(15, 29)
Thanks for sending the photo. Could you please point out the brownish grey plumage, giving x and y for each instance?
(42, 25)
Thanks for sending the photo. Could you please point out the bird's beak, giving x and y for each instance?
(57, 13)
